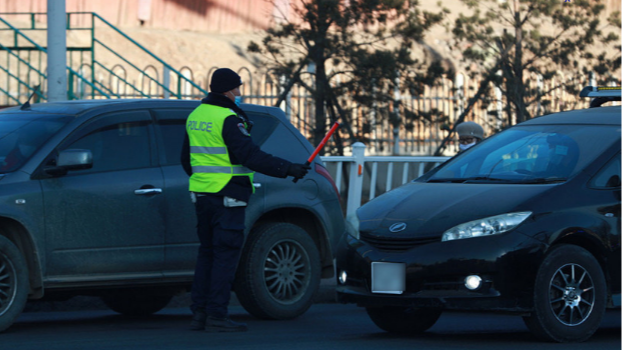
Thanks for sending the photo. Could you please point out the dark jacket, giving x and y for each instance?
(241, 149)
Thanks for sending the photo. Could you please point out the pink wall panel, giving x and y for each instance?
(220, 16)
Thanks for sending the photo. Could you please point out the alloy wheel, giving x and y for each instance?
(7, 283)
(571, 294)
(286, 271)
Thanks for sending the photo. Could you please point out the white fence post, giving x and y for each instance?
(355, 189)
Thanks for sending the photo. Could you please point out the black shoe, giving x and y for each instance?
(198, 320)
(224, 325)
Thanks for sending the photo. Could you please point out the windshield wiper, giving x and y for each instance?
(543, 180)
(486, 179)
(469, 179)
(451, 179)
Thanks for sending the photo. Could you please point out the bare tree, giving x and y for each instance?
(511, 39)
(357, 48)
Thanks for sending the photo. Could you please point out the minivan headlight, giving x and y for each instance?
(485, 227)
(353, 225)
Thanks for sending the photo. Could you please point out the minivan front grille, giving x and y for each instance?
(395, 244)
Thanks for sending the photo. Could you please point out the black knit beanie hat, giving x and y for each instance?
(224, 79)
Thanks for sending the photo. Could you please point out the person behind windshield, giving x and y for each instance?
(23, 150)
(469, 134)
(562, 157)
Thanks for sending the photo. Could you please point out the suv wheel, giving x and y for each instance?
(14, 284)
(136, 303)
(279, 272)
(403, 320)
(569, 296)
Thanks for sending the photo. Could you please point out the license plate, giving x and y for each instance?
(388, 278)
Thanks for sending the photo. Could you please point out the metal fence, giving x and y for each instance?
(361, 178)
(442, 104)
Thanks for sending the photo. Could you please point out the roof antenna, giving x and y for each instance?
(26, 106)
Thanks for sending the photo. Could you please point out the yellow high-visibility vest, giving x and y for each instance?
(209, 156)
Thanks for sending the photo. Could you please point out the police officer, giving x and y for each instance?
(220, 158)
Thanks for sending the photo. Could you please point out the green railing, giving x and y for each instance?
(15, 79)
(96, 70)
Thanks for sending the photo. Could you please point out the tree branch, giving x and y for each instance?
(483, 86)
(286, 89)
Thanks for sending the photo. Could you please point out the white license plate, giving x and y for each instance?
(388, 278)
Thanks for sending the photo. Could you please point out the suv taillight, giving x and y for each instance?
(322, 171)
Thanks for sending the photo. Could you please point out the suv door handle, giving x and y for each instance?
(147, 191)
(256, 184)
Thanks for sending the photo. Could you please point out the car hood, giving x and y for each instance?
(428, 210)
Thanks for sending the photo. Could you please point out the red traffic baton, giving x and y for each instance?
(321, 145)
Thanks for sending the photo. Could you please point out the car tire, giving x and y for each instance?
(14, 283)
(133, 303)
(279, 272)
(403, 320)
(560, 313)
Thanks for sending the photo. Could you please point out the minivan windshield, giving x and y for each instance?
(21, 136)
(530, 154)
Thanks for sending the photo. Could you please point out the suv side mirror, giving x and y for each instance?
(75, 159)
(71, 159)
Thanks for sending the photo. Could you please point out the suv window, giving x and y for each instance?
(171, 125)
(117, 143)
(263, 126)
(609, 175)
(172, 129)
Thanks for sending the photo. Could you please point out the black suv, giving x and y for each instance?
(525, 222)
(94, 201)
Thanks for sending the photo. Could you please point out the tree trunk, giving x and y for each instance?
(519, 85)
(320, 93)
(335, 117)
(509, 92)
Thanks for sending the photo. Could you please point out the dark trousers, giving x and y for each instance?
(221, 234)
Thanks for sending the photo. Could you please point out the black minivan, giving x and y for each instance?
(94, 201)
(526, 222)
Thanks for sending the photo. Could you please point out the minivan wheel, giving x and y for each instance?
(136, 303)
(403, 320)
(569, 296)
(279, 272)
(14, 284)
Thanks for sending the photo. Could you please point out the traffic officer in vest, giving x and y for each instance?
(220, 158)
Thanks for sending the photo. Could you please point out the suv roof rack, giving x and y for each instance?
(601, 95)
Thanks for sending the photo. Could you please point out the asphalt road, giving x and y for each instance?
(324, 326)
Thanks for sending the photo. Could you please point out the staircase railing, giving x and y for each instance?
(92, 70)
(15, 83)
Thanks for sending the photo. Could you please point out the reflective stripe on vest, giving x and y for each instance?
(208, 150)
(209, 157)
(221, 169)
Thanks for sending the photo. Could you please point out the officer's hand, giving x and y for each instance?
(298, 170)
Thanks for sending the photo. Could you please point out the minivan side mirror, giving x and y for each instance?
(613, 181)
(71, 159)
